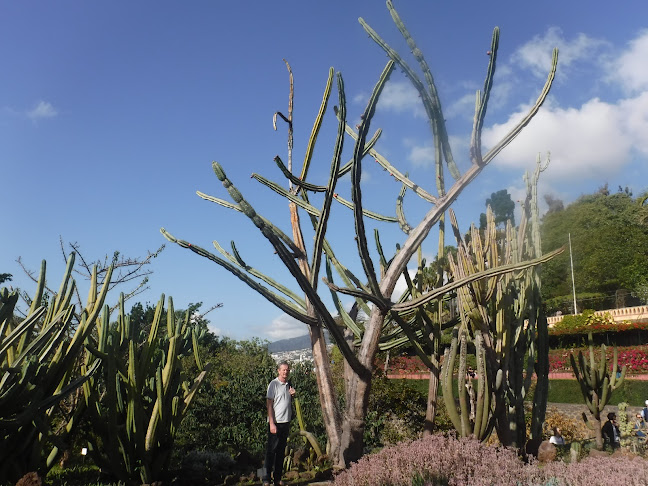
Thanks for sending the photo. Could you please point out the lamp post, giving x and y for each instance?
(571, 261)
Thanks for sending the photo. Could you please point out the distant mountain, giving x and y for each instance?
(294, 344)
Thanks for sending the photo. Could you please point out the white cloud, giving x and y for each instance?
(285, 327)
(630, 69)
(421, 155)
(590, 142)
(401, 284)
(464, 107)
(216, 330)
(536, 54)
(397, 96)
(42, 110)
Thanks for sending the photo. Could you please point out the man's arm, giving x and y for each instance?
(271, 415)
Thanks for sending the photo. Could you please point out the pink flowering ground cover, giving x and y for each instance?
(441, 460)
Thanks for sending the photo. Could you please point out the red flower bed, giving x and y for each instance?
(405, 365)
(634, 357)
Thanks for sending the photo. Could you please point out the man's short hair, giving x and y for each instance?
(611, 416)
(283, 363)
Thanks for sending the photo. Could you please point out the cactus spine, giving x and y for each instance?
(596, 384)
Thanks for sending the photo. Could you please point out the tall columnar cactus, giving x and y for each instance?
(503, 315)
(143, 393)
(596, 384)
(39, 367)
(473, 417)
(372, 291)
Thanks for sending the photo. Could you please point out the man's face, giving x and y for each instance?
(283, 372)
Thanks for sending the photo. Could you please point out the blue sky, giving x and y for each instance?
(111, 113)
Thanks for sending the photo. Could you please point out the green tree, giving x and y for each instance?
(609, 246)
(5, 277)
(503, 207)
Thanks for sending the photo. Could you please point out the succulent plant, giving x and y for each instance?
(143, 392)
(596, 383)
(39, 367)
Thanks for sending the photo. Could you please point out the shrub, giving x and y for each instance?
(438, 459)
(572, 429)
(396, 412)
(441, 460)
(595, 471)
(229, 414)
(204, 467)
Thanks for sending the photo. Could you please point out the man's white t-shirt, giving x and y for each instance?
(279, 394)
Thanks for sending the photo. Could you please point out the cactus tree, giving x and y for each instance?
(372, 291)
(596, 384)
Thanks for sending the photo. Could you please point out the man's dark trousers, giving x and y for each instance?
(275, 452)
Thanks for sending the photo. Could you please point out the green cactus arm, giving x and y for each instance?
(346, 318)
(482, 404)
(356, 172)
(605, 395)
(190, 395)
(42, 340)
(438, 121)
(482, 102)
(430, 102)
(196, 348)
(312, 441)
(92, 291)
(366, 212)
(236, 259)
(393, 343)
(381, 254)
(447, 369)
(52, 352)
(358, 294)
(284, 305)
(150, 345)
(40, 287)
(368, 146)
(296, 180)
(317, 125)
(410, 333)
(25, 326)
(280, 234)
(347, 276)
(508, 138)
(320, 231)
(492, 272)
(464, 407)
(290, 264)
(416, 188)
(312, 210)
(63, 288)
(400, 213)
(621, 379)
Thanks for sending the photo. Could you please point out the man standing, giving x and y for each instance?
(279, 406)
